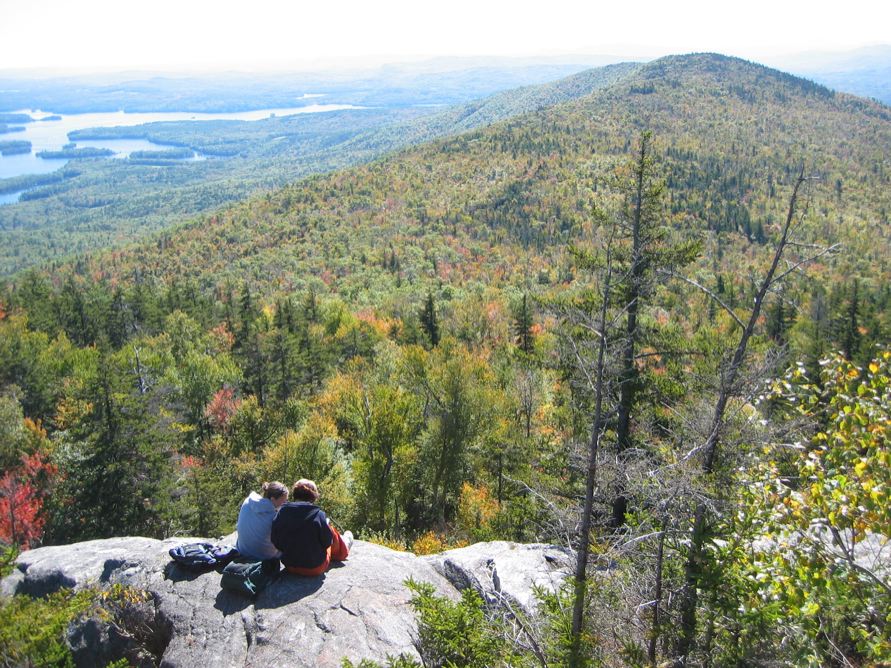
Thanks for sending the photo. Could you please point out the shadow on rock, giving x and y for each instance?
(176, 573)
(288, 588)
(229, 603)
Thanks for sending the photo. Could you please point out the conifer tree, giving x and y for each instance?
(283, 353)
(247, 316)
(116, 468)
(649, 252)
(118, 324)
(852, 336)
(311, 307)
(523, 326)
(429, 320)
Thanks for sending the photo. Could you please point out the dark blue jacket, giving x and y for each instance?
(300, 530)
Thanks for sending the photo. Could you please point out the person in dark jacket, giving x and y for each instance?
(303, 534)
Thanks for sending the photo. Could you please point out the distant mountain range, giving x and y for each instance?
(438, 81)
(865, 72)
(435, 84)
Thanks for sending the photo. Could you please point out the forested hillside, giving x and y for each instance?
(730, 134)
(108, 203)
(649, 322)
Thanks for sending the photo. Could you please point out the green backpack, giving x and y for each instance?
(249, 578)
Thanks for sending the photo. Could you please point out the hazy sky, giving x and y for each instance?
(205, 34)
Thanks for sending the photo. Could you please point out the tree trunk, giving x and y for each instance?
(581, 566)
(657, 601)
(689, 600)
(628, 383)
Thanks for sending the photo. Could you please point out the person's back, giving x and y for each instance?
(307, 540)
(301, 532)
(255, 519)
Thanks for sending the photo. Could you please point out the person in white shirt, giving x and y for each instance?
(255, 522)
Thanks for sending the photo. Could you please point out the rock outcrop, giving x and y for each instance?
(359, 609)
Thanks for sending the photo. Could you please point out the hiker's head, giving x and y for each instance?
(275, 492)
(305, 490)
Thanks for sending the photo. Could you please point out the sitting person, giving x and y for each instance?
(307, 540)
(255, 522)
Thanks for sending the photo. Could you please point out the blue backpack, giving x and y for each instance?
(202, 556)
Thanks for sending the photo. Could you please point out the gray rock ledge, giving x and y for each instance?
(357, 610)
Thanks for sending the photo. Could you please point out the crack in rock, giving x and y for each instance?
(322, 626)
(346, 609)
(249, 625)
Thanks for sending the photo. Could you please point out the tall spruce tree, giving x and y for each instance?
(523, 325)
(116, 461)
(649, 252)
(429, 321)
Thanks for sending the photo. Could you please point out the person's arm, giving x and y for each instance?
(276, 535)
(325, 538)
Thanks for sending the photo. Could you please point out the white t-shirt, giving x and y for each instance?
(254, 526)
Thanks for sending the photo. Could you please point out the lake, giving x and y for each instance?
(9, 198)
(53, 135)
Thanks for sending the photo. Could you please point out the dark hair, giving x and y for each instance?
(273, 490)
(305, 490)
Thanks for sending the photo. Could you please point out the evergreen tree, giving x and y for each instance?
(313, 361)
(115, 462)
(429, 321)
(852, 336)
(247, 316)
(284, 350)
(779, 319)
(250, 347)
(118, 326)
(311, 307)
(523, 326)
(649, 251)
(72, 314)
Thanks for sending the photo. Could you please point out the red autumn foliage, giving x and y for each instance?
(22, 495)
(190, 462)
(221, 408)
(223, 338)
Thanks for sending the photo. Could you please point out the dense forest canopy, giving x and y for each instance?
(650, 321)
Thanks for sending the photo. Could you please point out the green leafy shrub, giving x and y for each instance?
(820, 515)
(456, 633)
(8, 553)
(32, 630)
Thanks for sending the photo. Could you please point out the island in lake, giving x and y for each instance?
(15, 118)
(15, 147)
(71, 153)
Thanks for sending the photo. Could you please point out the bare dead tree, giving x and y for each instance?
(597, 429)
(729, 376)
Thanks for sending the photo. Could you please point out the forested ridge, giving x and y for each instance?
(731, 133)
(102, 204)
(650, 323)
